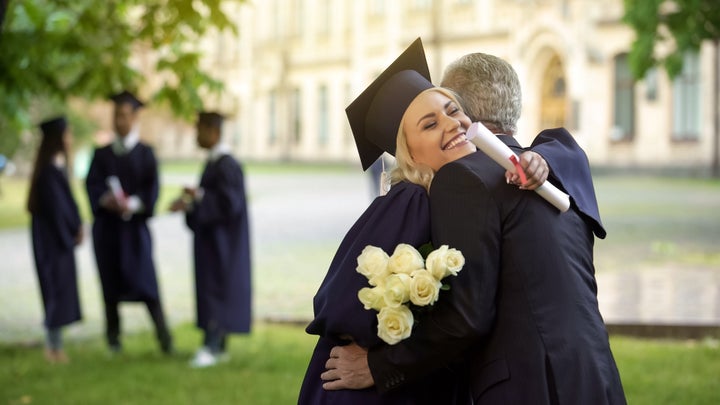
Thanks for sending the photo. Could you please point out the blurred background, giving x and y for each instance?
(636, 82)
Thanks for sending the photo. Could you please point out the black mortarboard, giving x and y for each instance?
(376, 113)
(54, 127)
(211, 119)
(127, 97)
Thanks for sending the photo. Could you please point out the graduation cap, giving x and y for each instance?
(54, 127)
(127, 98)
(210, 119)
(375, 114)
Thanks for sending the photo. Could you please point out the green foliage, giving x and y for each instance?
(684, 24)
(61, 49)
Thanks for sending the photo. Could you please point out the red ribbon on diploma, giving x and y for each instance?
(520, 171)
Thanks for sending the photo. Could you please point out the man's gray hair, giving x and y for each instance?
(489, 89)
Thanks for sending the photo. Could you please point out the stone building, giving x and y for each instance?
(296, 64)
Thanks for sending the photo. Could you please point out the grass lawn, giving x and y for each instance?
(267, 367)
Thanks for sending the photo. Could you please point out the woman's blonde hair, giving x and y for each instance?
(407, 169)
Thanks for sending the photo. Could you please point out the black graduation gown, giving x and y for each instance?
(55, 225)
(123, 248)
(222, 248)
(523, 311)
(402, 216)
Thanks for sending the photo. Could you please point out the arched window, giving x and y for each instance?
(624, 101)
(553, 106)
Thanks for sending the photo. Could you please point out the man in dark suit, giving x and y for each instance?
(475, 78)
(217, 214)
(122, 185)
(522, 317)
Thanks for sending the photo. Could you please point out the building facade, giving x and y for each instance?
(296, 64)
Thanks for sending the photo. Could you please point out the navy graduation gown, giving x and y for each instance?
(222, 248)
(402, 216)
(123, 248)
(570, 170)
(55, 224)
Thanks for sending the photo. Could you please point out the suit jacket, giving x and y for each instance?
(123, 248)
(523, 312)
(219, 222)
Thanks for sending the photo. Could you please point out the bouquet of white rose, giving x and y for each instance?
(403, 282)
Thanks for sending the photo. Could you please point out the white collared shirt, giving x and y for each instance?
(217, 151)
(123, 145)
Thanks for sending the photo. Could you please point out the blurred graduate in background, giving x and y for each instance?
(216, 212)
(56, 230)
(122, 185)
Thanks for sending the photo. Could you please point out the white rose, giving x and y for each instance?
(444, 262)
(394, 324)
(372, 263)
(372, 298)
(405, 259)
(424, 288)
(397, 289)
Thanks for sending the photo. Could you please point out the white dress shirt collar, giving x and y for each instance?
(217, 151)
(124, 145)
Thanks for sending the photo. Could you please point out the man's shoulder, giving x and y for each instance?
(476, 164)
(229, 162)
(145, 147)
(103, 148)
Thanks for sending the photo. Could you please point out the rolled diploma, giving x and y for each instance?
(114, 184)
(492, 146)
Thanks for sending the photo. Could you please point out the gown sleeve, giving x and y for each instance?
(149, 182)
(57, 203)
(224, 201)
(401, 216)
(95, 181)
(570, 167)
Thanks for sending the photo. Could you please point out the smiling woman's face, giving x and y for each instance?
(435, 127)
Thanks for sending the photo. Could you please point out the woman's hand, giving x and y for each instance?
(536, 169)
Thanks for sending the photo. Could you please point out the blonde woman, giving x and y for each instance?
(401, 216)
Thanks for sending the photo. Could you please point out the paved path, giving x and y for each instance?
(297, 222)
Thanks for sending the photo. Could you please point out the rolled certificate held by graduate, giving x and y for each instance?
(492, 146)
(115, 187)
